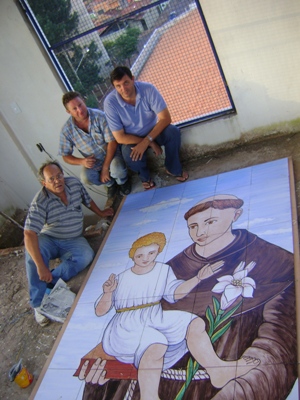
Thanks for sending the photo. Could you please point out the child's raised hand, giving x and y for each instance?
(209, 270)
(111, 284)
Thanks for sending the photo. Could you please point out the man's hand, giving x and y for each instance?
(138, 150)
(97, 372)
(110, 285)
(44, 274)
(89, 161)
(108, 212)
(104, 175)
(157, 150)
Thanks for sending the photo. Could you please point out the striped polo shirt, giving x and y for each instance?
(48, 214)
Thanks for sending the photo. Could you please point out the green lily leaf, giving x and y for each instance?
(216, 305)
(220, 332)
(189, 370)
(210, 320)
(227, 315)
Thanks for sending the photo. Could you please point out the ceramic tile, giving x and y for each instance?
(171, 192)
(272, 172)
(136, 200)
(244, 273)
(234, 179)
(70, 387)
(195, 191)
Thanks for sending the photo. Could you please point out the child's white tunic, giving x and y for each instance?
(131, 332)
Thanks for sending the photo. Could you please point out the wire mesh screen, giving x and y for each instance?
(165, 43)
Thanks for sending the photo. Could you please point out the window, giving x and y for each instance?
(166, 43)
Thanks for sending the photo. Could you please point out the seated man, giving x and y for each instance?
(139, 118)
(87, 130)
(53, 229)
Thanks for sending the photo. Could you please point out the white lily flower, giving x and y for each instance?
(238, 284)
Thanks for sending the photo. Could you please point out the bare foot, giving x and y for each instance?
(220, 376)
(180, 178)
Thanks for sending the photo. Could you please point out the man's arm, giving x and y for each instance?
(126, 138)
(109, 212)
(164, 120)
(110, 152)
(32, 246)
(66, 147)
(87, 162)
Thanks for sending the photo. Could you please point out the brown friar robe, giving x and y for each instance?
(263, 326)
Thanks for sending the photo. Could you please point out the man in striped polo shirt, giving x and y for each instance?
(53, 229)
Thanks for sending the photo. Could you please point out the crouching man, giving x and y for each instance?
(53, 229)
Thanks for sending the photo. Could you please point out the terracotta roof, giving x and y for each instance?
(182, 66)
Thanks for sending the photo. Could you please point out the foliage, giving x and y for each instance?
(121, 50)
(55, 18)
(81, 65)
(217, 328)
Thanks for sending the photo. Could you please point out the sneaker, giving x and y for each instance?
(125, 189)
(40, 318)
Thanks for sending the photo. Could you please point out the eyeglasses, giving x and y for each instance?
(55, 178)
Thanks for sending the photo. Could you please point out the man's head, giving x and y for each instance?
(123, 81)
(51, 176)
(119, 72)
(212, 218)
(75, 105)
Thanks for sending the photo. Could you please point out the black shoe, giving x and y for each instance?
(50, 285)
(125, 189)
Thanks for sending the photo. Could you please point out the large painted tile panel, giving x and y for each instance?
(192, 296)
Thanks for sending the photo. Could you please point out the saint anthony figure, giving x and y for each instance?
(257, 282)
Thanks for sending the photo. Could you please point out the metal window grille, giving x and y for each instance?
(166, 43)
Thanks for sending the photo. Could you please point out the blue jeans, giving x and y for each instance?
(117, 170)
(169, 138)
(75, 254)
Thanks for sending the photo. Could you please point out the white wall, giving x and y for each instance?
(258, 46)
(30, 109)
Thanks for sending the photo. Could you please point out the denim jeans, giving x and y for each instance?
(117, 170)
(169, 138)
(75, 254)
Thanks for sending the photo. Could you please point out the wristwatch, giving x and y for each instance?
(149, 138)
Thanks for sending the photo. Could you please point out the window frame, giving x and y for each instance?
(50, 51)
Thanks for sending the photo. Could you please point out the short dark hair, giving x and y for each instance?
(118, 73)
(43, 166)
(219, 204)
(67, 97)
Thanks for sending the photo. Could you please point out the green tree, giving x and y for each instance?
(122, 49)
(81, 65)
(55, 18)
(82, 68)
